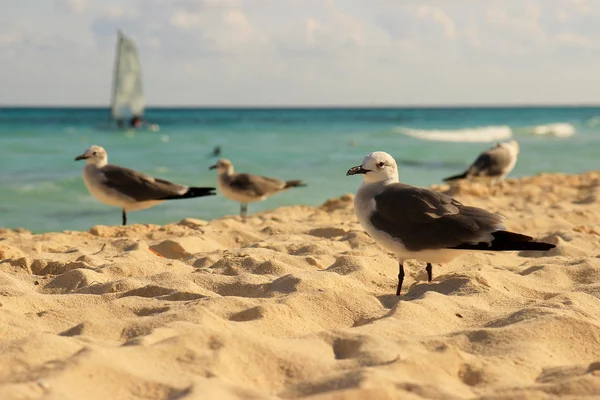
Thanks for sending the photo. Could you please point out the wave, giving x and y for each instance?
(489, 133)
(560, 129)
(593, 122)
(480, 134)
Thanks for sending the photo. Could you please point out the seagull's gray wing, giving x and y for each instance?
(491, 163)
(138, 186)
(255, 185)
(424, 219)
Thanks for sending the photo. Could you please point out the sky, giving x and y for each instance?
(305, 52)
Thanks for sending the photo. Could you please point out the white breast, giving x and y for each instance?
(364, 206)
(510, 167)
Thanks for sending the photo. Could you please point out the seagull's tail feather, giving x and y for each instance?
(457, 177)
(193, 192)
(291, 184)
(508, 241)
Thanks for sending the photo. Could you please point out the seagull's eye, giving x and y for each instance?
(94, 153)
(380, 164)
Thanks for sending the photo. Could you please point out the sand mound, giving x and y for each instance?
(299, 302)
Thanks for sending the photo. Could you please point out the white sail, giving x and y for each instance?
(127, 95)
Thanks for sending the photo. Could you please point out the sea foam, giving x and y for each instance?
(489, 133)
(561, 129)
(479, 134)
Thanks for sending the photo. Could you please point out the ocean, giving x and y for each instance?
(41, 188)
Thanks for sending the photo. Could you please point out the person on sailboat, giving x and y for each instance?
(136, 121)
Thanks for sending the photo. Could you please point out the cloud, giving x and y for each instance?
(302, 51)
(311, 28)
(10, 38)
(523, 20)
(331, 32)
(440, 17)
(113, 12)
(574, 40)
(237, 21)
(185, 20)
(154, 43)
(71, 6)
(584, 6)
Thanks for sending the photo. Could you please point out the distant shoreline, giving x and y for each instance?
(307, 107)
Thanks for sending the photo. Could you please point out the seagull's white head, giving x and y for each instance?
(376, 167)
(95, 155)
(223, 166)
(514, 145)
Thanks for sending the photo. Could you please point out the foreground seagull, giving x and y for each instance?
(425, 225)
(248, 188)
(128, 189)
(495, 163)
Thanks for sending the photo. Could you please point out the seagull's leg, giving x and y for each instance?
(400, 278)
(428, 269)
(243, 210)
(124, 217)
(494, 186)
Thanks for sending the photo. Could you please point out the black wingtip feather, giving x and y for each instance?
(508, 241)
(456, 177)
(296, 183)
(193, 192)
(200, 191)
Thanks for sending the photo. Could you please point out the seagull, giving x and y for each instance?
(495, 163)
(424, 225)
(128, 189)
(216, 151)
(248, 188)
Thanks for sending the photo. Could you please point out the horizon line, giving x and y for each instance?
(318, 106)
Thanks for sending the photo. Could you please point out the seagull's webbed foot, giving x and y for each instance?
(400, 278)
(124, 217)
(428, 268)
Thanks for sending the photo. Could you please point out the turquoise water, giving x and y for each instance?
(41, 187)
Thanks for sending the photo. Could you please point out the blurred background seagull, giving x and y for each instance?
(495, 163)
(128, 189)
(247, 188)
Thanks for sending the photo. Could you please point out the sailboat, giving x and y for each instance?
(127, 100)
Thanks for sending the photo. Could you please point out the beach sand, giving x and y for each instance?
(299, 302)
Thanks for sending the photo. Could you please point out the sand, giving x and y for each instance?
(299, 303)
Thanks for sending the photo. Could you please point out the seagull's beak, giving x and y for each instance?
(213, 167)
(81, 157)
(357, 170)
